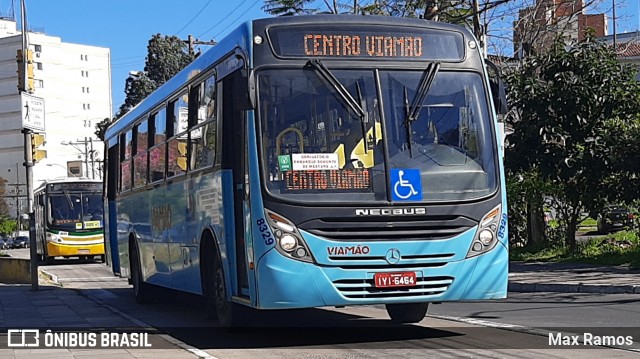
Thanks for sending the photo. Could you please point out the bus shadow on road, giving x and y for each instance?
(181, 315)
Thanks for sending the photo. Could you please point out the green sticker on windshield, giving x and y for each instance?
(284, 163)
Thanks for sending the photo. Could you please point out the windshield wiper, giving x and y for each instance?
(325, 74)
(413, 112)
(69, 201)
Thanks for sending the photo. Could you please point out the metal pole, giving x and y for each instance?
(28, 158)
(17, 198)
(93, 173)
(86, 158)
(28, 161)
(615, 42)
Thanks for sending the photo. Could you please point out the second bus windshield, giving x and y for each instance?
(317, 145)
(75, 210)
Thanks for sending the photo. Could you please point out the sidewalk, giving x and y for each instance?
(572, 278)
(63, 309)
(59, 308)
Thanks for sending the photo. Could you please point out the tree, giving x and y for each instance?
(464, 12)
(4, 208)
(573, 112)
(166, 56)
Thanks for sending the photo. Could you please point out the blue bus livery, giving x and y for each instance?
(315, 161)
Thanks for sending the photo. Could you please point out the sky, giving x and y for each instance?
(125, 26)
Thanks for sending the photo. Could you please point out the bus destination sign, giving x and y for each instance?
(354, 45)
(367, 43)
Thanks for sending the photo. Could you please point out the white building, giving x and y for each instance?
(75, 82)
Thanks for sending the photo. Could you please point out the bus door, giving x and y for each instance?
(110, 224)
(234, 158)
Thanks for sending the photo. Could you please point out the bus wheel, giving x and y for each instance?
(103, 258)
(141, 290)
(227, 312)
(407, 313)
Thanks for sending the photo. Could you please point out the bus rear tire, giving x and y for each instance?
(141, 290)
(407, 313)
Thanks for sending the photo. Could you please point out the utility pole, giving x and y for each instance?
(477, 27)
(28, 157)
(191, 41)
(88, 152)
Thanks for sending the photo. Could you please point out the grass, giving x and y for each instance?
(621, 248)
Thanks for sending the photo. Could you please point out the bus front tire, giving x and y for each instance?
(407, 313)
(141, 290)
(215, 296)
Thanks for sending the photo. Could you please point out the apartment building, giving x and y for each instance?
(74, 81)
(538, 25)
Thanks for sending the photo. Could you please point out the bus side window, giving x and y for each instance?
(177, 125)
(140, 156)
(203, 125)
(157, 146)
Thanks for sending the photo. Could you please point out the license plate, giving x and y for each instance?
(398, 279)
(84, 251)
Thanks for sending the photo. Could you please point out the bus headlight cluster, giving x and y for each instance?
(486, 237)
(289, 242)
(52, 237)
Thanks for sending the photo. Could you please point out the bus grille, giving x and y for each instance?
(364, 289)
(402, 228)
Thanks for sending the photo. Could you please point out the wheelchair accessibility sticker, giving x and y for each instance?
(406, 184)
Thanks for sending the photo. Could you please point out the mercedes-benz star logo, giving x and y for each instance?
(392, 256)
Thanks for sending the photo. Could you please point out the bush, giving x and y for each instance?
(614, 249)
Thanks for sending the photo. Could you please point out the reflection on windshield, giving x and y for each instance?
(75, 210)
(314, 144)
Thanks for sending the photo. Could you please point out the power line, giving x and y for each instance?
(225, 18)
(194, 17)
(234, 21)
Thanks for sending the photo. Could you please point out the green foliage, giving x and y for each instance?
(101, 128)
(166, 56)
(4, 208)
(287, 7)
(456, 11)
(621, 248)
(7, 225)
(573, 111)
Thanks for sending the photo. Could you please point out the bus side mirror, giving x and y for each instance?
(41, 200)
(498, 91)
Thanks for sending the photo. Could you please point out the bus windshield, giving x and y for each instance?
(73, 211)
(322, 145)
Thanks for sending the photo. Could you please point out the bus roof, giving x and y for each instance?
(59, 180)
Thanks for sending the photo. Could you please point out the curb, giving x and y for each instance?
(573, 288)
(52, 277)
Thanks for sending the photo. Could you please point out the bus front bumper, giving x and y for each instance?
(63, 250)
(286, 283)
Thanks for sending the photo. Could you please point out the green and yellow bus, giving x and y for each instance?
(69, 219)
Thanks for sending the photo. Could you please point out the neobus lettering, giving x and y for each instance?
(390, 212)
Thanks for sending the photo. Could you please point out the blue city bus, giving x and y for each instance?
(315, 161)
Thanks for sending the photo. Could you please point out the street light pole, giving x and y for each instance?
(88, 153)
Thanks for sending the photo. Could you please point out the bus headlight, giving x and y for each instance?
(289, 241)
(486, 237)
(55, 238)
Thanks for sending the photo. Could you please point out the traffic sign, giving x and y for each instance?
(32, 112)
